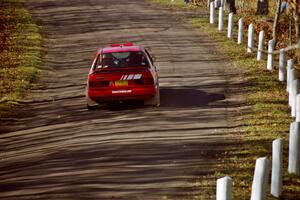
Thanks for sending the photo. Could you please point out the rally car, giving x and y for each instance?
(122, 72)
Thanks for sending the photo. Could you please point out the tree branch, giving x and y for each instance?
(294, 46)
(288, 48)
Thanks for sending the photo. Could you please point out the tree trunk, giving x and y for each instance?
(231, 5)
(276, 21)
(262, 7)
(297, 26)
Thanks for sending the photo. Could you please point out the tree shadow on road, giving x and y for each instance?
(134, 167)
(187, 97)
(179, 97)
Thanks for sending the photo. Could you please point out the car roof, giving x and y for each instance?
(125, 47)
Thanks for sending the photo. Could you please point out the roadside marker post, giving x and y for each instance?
(282, 66)
(294, 146)
(276, 179)
(294, 106)
(290, 66)
(221, 19)
(216, 4)
(260, 180)
(250, 38)
(293, 96)
(230, 25)
(224, 188)
(241, 31)
(271, 45)
(223, 4)
(212, 13)
(260, 45)
(298, 108)
(292, 77)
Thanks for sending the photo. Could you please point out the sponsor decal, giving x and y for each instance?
(124, 77)
(131, 77)
(121, 91)
(137, 76)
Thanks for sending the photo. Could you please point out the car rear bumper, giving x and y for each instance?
(119, 94)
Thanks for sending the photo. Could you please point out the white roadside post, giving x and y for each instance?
(298, 108)
(260, 45)
(216, 3)
(282, 66)
(223, 5)
(260, 180)
(292, 77)
(276, 180)
(294, 106)
(294, 146)
(250, 38)
(221, 19)
(212, 13)
(290, 66)
(271, 45)
(241, 31)
(230, 25)
(224, 188)
(294, 92)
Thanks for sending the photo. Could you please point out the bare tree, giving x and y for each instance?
(276, 21)
(297, 25)
(295, 6)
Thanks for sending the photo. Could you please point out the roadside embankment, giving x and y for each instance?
(20, 54)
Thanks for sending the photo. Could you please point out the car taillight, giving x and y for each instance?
(144, 81)
(99, 83)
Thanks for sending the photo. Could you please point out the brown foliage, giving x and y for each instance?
(9, 60)
(3, 33)
(267, 26)
(199, 2)
(295, 5)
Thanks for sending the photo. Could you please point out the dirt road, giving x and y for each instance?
(57, 149)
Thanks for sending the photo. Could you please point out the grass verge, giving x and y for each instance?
(175, 4)
(267, 119)
(20, 54)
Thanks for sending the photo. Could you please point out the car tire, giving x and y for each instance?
(90, 104)
(155, 100)
(89, 107)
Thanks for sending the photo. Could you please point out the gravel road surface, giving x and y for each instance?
(57, 149)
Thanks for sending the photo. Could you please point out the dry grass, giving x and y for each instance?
(267, 120)
(20, 53)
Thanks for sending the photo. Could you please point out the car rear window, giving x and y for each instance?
(122, 59)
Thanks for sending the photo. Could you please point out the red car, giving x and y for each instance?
(120, 73)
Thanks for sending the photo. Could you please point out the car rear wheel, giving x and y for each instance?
(91, 107)
(90, 104)
(155, 100)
